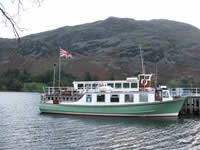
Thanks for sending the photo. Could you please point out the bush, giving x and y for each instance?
(34, 87)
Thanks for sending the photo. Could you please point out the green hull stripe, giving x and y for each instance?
(170, 107)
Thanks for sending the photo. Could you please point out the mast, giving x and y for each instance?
(59, 71)
(156, 81)
(54, 74)
(142, 61)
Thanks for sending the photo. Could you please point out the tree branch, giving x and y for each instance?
(10, 19)
(12, 22)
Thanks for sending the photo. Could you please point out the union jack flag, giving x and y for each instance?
(65, 53)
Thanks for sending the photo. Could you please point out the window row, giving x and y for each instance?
(128, 98)
(113, 85)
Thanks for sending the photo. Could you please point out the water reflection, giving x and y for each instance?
(152, 121)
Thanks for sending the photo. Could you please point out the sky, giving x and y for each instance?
(53, 14)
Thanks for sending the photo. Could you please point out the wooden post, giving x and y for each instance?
(199, 104)
(190, 105)
(196, 91)
(185, 105)
(195, 104)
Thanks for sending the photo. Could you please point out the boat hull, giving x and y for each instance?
(156, 109)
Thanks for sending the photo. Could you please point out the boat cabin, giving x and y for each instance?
(162, 94)
(145, 80)
(131, 84)
(132, 90)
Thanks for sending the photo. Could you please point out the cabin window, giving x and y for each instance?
(88, 86)
(126, 85)
(146, 77)
(133, 85)
(141, 77)
(51, 90)
(114, 99)
(118, 85)
(80, 86)
(100, 98)
(94, 86)
(111, 85)
(143, 97)
(129, 98)
(165, 94)
(88, 98)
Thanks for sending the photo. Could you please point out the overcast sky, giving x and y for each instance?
(53, 14)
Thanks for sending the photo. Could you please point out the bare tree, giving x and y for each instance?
(8, 19)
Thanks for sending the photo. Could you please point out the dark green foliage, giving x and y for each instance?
(112, 77)
(33, 87)
(15, 85)
(183, 83)
(17, 80)
(89, 77)
(13, 80)
(95, 78)
(67, 79)
(3, 83)
(44, 78)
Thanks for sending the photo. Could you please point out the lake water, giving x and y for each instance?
(22, 127)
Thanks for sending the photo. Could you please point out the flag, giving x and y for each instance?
(65, 53)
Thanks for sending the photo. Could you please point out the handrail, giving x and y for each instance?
(185, 92)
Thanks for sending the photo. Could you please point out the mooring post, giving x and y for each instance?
(190, 105)
(196, 92)
(199, 104)
(185, 105)
(195, 105)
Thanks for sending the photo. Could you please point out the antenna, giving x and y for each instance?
(142, 60)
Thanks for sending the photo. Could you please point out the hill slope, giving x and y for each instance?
(110, 48)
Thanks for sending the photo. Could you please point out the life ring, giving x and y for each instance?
(144, 82)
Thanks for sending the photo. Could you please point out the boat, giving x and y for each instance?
(133, 97)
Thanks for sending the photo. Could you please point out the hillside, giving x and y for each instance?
(109, 48)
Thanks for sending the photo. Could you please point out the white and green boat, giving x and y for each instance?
(133, 97)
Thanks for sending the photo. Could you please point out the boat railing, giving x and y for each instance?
(57, 90)
(43, 98)
(61, 98)
(61, 94)
(185, 92)
(150, 90)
